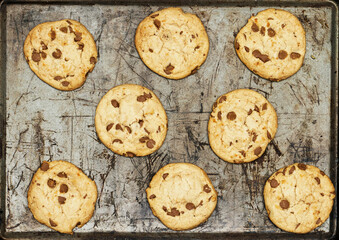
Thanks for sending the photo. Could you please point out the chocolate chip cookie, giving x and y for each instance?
(131, 121)
(241, 125)
(182, 196)
(299, 198)
(172, 43)
(61, 53)
(272, 44)
(61, 196)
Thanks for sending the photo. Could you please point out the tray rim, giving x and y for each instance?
(334, 166)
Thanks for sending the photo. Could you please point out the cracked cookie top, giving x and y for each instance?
(61, 53)
(299, 198)
(272, 44)
(61, 196)
(131, 121)
(182, 196)
(241, 125)
(172, 43)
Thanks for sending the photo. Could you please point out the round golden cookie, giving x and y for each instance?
(131, 121)
(272, 44)
(182, 196)
(299, 198)
(172, 43)
(61, 196)
(61, 53)
(241, 125)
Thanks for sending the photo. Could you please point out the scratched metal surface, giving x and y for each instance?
(43, 123)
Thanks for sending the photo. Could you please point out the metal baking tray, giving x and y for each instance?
(40, 123)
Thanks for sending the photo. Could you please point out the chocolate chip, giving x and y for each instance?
(284, 204)
(222, 99)
(129, 130)
(146, 131)
(130, 154)
(207, 189)
(295, 55)
(93, 60)
(65, 83)
(143, 139)
(150, 143)
(322, 194)
(243, 153)
(157, 23)
(150, 49)
(322, 173)
(51, 183)
(57, 54)
(231, 116)
(155, 15)
(53, 35)
(247, 49)
(262, 31)
(152, 196)
(118, 127)
(174, 212)
(164, 176)
(284, 171)
(78, 224)
(264, 58)
(215, 105)
(195, 70)
(164, 208)
(264, 107)
(317, 179)
(168, 70)
(219, 115)
(53, 224)
(318, 221)
(70, 29)
(115, 103)
(78, 36)
(181, 32)
(236, 45)
(117, 141)
(85, 196)
(282, 54)
(297, 226)
(36, 56)
(257, 151)
(63, 29)
(250, 112)
(190, 206)
(109, 126)
(255, 27)
(43, 46)
(141, 98)
(254, 137)
(141, 122)
(256, 108)
(61, 200)
(63, 188)
(269, 135)
(291, 170)
(274, 183)
(193, 36)
(270, 32)
(81, 46)
(302, 166)
(69, 22)
(44, 166)
(62, 175)
(197, 47)
(283, 25)
(57, 78)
